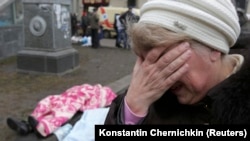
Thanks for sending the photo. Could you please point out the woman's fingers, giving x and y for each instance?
(152, 76)
(174, 53)
(169, 81)
(170, 52)
(153, 55)
(176, 64)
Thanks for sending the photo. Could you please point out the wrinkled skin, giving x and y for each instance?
(177, 68)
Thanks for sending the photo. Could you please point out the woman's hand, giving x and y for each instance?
(155, 74)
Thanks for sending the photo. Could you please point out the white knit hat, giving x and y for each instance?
(212, 22)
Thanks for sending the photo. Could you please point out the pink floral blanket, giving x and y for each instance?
(54, 110)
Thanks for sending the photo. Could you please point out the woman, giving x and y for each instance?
(184, 73)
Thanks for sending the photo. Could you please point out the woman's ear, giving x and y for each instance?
(215, 55)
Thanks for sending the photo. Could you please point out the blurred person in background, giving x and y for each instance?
(119, 28)
(94, 21)
(85, 23)
(73, 24)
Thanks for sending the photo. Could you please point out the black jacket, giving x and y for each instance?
(226, 103)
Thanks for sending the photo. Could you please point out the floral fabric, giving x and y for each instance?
(54, 110)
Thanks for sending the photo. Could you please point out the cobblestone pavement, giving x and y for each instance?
(20, 92)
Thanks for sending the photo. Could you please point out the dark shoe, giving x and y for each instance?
(32, 122)
(118, 46)
(21, 127)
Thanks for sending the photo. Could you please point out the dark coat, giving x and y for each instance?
(226, 103)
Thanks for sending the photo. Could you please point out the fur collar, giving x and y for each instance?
(231, 98)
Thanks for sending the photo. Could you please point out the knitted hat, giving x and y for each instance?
(212, 22)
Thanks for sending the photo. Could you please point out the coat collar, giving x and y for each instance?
(231, 98)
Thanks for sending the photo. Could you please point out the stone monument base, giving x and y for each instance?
(58, 62)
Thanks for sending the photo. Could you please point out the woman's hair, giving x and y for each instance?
(144, 37)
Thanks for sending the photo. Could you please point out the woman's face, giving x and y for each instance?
(194, 84)
(199, 78)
